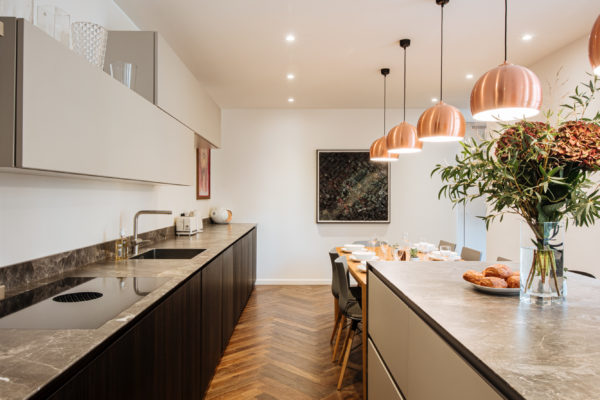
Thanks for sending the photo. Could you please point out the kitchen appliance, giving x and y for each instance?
(187, 226)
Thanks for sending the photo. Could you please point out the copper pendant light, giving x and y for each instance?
(442, 122)
(378, 150)
(594, 47)
(402, 139)
(507, 92)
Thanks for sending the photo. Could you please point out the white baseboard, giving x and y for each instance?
(293, 281)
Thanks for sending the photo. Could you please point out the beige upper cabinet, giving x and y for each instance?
(62, 114)
(162, 78)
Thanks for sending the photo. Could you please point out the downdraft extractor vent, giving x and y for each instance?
(77, 297)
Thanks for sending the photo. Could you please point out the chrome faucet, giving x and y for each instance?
(136, 241)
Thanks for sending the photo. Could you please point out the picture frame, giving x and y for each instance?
(203, 173)
(351, 188)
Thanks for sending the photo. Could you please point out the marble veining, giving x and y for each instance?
(18, 276)
(542, 353)
(30, 358)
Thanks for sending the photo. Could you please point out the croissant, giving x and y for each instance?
(473, 277)
(493, 281)
(514, 281)
(498, 271)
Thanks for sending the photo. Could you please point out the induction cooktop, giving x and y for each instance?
(74, 303)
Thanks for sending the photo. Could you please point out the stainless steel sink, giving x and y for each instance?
(168, 254)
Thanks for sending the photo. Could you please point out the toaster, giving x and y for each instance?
(187, 226)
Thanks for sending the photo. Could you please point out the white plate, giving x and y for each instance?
(345, 250)
(497, 291)
(353, 258)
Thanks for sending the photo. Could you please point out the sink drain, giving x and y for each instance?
(77, 297)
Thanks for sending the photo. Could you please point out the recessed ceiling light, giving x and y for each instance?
(291, 100)
(469, 76)
(526, 37)
(290, 37)
(290, 76)
(434, 99)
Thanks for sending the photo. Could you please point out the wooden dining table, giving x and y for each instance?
(360, 276)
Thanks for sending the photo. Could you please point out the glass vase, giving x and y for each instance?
(89, 40)
(542, 261)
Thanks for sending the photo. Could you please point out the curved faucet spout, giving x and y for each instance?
(136, 241)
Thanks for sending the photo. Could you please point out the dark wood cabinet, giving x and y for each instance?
(229, 319)
(172, 351)
(212, 340)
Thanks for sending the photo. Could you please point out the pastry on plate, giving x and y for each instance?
(498, 271)
(514, 281)
(493, 281)
(473, 277)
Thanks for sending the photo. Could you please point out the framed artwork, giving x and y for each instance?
(203, 173)
(351, 188)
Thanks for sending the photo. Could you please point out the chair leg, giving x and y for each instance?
(346, 354)
(338, 337)
(346, 343)
(338, 316)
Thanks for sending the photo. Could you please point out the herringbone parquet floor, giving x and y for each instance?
(280, 349)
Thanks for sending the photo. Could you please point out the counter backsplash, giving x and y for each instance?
(22, 274)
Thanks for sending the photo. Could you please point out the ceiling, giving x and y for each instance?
(237, 48)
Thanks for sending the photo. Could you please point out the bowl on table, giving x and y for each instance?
(363, 255)
(353, 247)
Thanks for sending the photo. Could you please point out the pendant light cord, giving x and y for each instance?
(384, 104)
(505, 30)
(404, 102)
(442, 57)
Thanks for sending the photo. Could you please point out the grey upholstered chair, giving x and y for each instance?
(469, 254)
(366, 242)
(335, 290)
(445, 243)
(351, 309)
(503, 259)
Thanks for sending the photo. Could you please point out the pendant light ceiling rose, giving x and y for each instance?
(594, 47)
(442, 122)
(379, 151)
(403, 138)
(507, 92)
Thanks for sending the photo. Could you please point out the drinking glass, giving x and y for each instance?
(124, 72)
(17, 8)
(89, 40)
(373, 243)
(383, 246)
(55, 22)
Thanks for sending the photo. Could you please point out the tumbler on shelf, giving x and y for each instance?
(89, 40)
(124, 72)
(55, 22)
(17, 8)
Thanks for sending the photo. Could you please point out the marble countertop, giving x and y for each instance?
(549, 353)
(29, 359)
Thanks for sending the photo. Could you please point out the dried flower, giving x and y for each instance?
(578, 142)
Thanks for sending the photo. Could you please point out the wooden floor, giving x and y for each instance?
(280, 349)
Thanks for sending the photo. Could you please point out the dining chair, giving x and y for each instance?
(337, 316)
(500, 258)
(582, 273)
(350, 307)
(445, 243)
(469, 254)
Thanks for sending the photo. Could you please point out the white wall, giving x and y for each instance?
(559, 73)
(266, 173)
(43, 215)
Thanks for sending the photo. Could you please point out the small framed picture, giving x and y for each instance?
(203, 173)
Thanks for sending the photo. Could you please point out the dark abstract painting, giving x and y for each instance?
(351, 188)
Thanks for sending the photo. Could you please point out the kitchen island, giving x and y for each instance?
(431, 335)
(165, 345)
